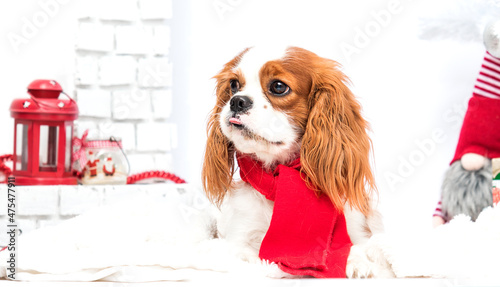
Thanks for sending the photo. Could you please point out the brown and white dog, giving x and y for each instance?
(277, 105)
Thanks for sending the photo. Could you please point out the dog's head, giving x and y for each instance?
(280, 105)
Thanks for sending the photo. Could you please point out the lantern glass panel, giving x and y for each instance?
(21, 147)
(49, 138)
(69, 136)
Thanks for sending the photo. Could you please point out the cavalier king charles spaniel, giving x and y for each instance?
(304, 200)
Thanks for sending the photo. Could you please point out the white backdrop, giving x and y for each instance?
(413, 91)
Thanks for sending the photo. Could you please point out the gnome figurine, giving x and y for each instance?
(467, 186)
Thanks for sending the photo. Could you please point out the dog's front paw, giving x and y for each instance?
(247, 254)
(367, 262)
(358, 264)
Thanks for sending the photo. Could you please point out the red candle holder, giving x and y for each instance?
(43, 131)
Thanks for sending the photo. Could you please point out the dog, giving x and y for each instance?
(282, 107)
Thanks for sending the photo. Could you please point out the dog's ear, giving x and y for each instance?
(335, 146)
(218, 164)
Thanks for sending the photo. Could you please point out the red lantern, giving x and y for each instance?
(43, 131)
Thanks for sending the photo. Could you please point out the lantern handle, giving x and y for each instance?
(46, 105)
(70, 98)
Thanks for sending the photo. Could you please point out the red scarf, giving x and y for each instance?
(307, 235)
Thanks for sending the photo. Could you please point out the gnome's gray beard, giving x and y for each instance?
(466, 192)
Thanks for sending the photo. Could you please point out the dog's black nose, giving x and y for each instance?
(240, 103)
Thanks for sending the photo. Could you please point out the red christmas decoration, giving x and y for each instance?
(43, 131)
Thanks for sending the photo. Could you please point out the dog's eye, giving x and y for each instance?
(235, 86)
(278, 88)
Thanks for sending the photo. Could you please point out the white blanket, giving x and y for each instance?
(461, 249)
(150, 240)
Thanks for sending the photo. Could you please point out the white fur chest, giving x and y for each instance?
(245, 218)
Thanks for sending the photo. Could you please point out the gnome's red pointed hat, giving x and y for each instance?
(480, 132)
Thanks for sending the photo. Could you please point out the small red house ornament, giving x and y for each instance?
(43, 131)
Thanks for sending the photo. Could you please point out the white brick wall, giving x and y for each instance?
(3, 204)
(174, 139)
(95, 37)
(117, 70)
(116, 194)
(118, 10)
(155, 9)
(74, 201)
(91, 125)
(40, 206)
(162, 103)
(154, 137)
(37, 200)
(111, 10)
(26, 225)
(141, 162)
(125, 132)
(86, 71)
(134, 40)
(161, 40)
(154, 72)
(131, 104)
(163, 161)
(94, 103)
(123, 78)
